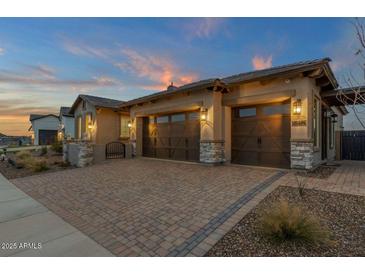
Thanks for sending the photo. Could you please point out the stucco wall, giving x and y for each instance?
(107, 126)
(69, 126)
(80, 112)
(46, 123)
(217, 127)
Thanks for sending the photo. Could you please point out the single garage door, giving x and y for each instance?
(47, 137)
(261, 135)
(174, 136)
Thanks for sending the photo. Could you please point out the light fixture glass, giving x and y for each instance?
(129, 124)
(90, 126)
(297, 107)
(203, 114)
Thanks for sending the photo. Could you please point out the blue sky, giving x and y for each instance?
(45, 63)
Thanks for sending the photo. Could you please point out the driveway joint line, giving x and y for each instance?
(218, 220)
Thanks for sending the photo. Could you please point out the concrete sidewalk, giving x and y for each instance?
(27, 228)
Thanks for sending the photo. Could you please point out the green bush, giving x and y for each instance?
(57, 147)
(285, 222)
(44, 150)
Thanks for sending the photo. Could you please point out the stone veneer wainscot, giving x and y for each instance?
(302, 155)
(212, 152)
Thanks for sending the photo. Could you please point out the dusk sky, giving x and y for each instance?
(46, 63)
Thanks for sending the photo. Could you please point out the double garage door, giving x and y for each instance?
(261, 135)
(174, 136)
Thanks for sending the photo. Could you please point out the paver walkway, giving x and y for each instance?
(348, 178)
(27, 228)
(145, 207)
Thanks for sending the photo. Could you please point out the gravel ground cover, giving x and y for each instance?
(321, 172)
(54, 163)
(342, 214)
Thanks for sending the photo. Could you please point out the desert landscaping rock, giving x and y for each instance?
(342, 214)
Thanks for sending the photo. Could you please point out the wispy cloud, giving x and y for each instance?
(80, 48)
(203, 27)
(158, 69)
(261, 62)
(2, 51)
(44, 76)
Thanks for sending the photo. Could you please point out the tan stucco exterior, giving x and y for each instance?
(217, 126)
(105, 124)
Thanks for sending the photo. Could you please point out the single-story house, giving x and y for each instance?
(45, 128)
(99, 120)
(67, 124)
(273, 117)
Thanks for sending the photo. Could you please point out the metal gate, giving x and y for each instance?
(115, 150)
(353, 145)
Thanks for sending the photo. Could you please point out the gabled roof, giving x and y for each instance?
(65, 111)
(318, 67)
(279, 70)
(96, 101)
(188, 87)
(33, 117)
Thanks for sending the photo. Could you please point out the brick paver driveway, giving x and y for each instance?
(145, 207)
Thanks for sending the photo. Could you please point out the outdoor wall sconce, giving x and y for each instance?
(203, 114)
(334, 118)
(297, 107)
(129, 124)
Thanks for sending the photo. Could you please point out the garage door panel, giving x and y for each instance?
(177, 137)
(263, 138)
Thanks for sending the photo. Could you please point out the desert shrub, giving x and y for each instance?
(22, 155)
(38, 165)
(57, 147)
(21, 159)
(44, 150)
(285, 222)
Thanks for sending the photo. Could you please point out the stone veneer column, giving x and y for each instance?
(212, 152)
(301, 155)
(86, 154)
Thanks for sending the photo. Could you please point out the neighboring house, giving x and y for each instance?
(273, 117)
(99, 120)
(67, 123)
(44, 127)
(6, 140)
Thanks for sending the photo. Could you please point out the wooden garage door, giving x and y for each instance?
(261, 135)
(174, 136)
(47, 137)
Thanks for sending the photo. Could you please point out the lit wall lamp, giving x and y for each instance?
(90, 125)
(297, 107)
(203, 114)
(129, 124)
(334, 118)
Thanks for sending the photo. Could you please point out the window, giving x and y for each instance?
(178, 117)
(88, 125)
(162, 119)
(277, 109)
(124, 129)
(194, 116)
(247, 112)
(332, 133)
(316, 122)
(78, 127)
